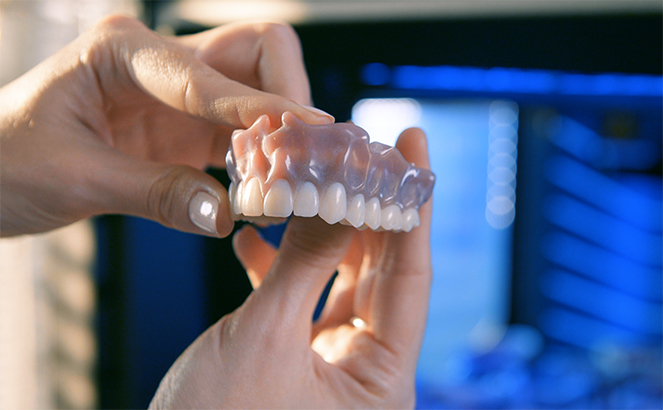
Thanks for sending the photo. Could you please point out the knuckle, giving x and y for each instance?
(389, 384)
(190, 93)
(197, 98)
(108, 33)
(279, 31)
(118, 22)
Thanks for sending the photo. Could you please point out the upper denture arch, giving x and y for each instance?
(333, 171)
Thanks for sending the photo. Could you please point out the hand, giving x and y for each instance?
(124, 121)
(268, 354)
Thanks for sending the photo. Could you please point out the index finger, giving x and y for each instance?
(402, 286)
(170, 72)
(262, 55)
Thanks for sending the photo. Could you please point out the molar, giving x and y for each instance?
(410, 219)
(307, 202)
(391, 218)
(278, 200)
(333, 204)
(372, 216)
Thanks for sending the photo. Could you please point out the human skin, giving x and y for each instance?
(268, 354)
(125, 121)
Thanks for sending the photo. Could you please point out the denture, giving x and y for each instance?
(332, 170)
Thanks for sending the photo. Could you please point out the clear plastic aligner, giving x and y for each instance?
(327, 170)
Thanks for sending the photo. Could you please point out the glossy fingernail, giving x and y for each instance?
(318, 112)
(358, 323)
(203, 209)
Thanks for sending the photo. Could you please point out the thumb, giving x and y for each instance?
(309, 254)
(175, 196)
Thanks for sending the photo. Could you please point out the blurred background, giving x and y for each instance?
(544, 121)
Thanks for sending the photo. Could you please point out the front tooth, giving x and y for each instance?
(391, 218)
(356, 211)
(372, 216)
(252, 198)
(333, 204)
(410, 219)
(239, 194)
(278, 200)
(307, 202)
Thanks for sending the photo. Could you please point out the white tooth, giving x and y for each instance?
(333, 204)
(417, 222)
(307, 202)
(239, 194)
(410, 219)
(356, 211)
(391, 218)
(252, 198)
(278, 200)
(373, 216)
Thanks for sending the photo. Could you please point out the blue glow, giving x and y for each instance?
(585, 144)
(515, 80)
(536, 81)
(603, 266)
(577, 139)
(605, 230)
(608, 84)
(604, 193)
(639, 85)
(602, 302)
(581, 330)
(575, 84)
(375, 74)
(499, 79)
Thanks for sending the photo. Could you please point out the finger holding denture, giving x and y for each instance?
(332, 170)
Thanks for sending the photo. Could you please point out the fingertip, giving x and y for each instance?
(311, 115)
(254, 253)
(242, 238)
(260, 103)
(224, 221)
(322, 116)
(413, 144)
(249, 245)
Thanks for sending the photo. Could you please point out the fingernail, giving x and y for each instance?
(203, 209)
(358, 323)
(328, 117)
